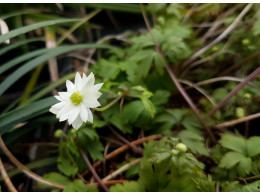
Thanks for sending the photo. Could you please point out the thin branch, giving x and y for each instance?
(237, 121)
(191, 104)
(234, 91)
(6, 178)
(111, 182)
(221, 36)
(133, 147)
(124, 148)
(121, 170)
(25, 170)
(93, 171)
(202, 91)
(235, 66)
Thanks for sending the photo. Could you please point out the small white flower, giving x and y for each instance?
(75, 104)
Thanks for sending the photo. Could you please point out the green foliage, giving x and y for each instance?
(162, 170)
(240, 157)
(148, 102)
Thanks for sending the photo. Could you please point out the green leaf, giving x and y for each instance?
(78, 186)
(194, 141)
(159, 62)
(67, 167)
(160, 97)
(230, 159)
(8, 120)
(12, 78)
(22, 30)
(234, 143)
(253, 146)
(57, 178)
(252, 187)
(132, 110)
(148, 105)
(107, 70)
(132, 186)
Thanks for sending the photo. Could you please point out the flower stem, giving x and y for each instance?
(93, 171)
(109, 105)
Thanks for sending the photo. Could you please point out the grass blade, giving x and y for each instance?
(25, 29)
(19, 43)
(20, 59)
(8, 120)
(12, 78)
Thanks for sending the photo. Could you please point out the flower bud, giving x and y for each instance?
(181, 147)
(175, 152)
(58, 133)
(240, 112)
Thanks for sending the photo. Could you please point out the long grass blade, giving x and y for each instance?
(12, 78)
(25, 29)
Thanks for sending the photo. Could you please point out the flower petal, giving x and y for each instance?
(90, 115)
(91, 102)
(98, 86)
(59, 105)
(58, 98)
(73, 114)
(78, 82)
(91, 79)
(70, 86)
(65, 95)
(53, 110)
(83, 112)
(77, 123)
(65, 109)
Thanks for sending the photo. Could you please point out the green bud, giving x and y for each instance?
(181, 147)
(240, 112)
(58, 133)
(245, 42)
(73, 131)
(175, 152)
(215, 48)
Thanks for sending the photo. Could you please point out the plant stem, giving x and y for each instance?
(133, 147)
(110, 104)
(124, 148)
(93, 171)
(25, 170)
(191, 104)
(234, 91)
(8, 182)
(121, 170)
(237, 121)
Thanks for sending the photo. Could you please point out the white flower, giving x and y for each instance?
(75, 104)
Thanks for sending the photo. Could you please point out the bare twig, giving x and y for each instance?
(124, 148)
(133, 147)
(93, 171)
(221, 36)
(202, 91)
(191, 104)
(6, 178)
(121, 170)
(237, 121)
(235, 66)
(234, 91)
(52, 63)
(25, 170)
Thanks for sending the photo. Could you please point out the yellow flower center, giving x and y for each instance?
(76, 98)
